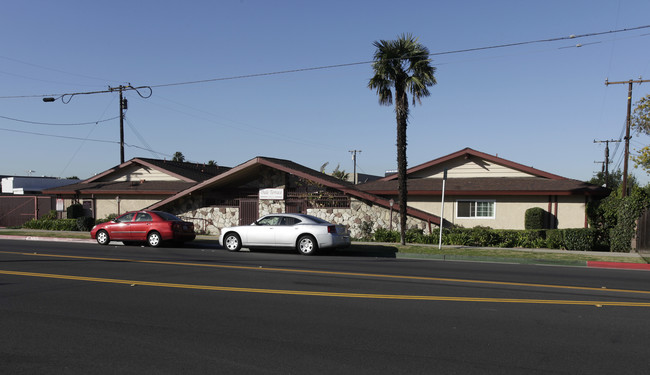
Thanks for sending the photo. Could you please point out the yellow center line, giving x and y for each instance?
(337, 273)
(327, 294)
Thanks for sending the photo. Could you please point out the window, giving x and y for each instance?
(475, 209)
(125, 217)
(289, 221)
(143, 216)
(270, 220)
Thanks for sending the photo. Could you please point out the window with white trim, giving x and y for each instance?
(475, 209)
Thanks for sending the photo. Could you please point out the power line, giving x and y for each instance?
(83, 139)
(430, 55)
(466, 50)
(52, 124)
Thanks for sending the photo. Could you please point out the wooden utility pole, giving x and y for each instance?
(627, 126)
(606, 162)
(123, 107)
(354, 158)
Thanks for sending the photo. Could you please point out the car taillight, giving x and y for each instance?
(331, 229)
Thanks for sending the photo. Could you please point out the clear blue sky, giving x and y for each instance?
(540, 104)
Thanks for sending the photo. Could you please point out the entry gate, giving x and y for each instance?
(16, 210)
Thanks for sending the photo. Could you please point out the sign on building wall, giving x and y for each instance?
(271, 194)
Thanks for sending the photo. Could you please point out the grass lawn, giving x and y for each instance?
(393, 250)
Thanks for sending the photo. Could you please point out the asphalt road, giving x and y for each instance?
(77, 308)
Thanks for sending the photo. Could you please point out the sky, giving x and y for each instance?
(234, 79)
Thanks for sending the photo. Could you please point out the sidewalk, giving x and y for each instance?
(212, 242)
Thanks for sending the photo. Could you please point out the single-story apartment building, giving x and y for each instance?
(480, 189)
(486, 190)
(132, 185)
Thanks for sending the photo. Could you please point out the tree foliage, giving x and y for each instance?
(640, 123)
(178, 156)
(614, 217)
(340, 173)
(401, 67)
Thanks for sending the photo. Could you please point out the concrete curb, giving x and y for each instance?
(53, 239)
(442, 257)
(531, 261)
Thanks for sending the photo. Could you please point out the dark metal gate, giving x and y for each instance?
(16, 210)
(249, 211)
(643, 233)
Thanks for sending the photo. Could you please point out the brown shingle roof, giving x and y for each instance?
(123, 188)
(488, 186)
(194, 171)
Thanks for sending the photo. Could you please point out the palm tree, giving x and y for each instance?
(402, 65)
(178, 156)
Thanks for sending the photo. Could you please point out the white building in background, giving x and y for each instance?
(20, 185)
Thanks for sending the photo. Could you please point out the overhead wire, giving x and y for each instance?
(59, 124)
(74, 155)
(433, 54)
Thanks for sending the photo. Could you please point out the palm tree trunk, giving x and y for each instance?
(401, 110)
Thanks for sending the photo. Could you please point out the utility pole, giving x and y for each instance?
(65, 98)
(123, 106)
(606, 162)
(627, 126)
(354, 159)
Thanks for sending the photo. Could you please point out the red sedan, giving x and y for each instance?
(151, 227)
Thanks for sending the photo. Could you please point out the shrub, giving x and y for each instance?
(508, 238)
(414, 235)
(532, 238)
(554, 238)
(75, 210)
(535, 218)
(366, 230)
(106, 219)
(583, 239)
(48, 224)
(85, 224)
(458, 236)
(385, 235)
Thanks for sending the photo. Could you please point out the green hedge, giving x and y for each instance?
(583, 239)
(534, 218)
(52, 224)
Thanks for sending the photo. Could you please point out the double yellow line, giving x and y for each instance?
(328, 294)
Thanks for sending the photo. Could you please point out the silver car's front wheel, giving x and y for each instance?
(307, 245)
(232, 242)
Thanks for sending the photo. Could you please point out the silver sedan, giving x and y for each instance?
(305, 233)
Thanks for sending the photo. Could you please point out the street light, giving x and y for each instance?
(123, 105)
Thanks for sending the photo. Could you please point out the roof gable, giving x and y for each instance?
(251, 168)
(138, 169)
(469, 163)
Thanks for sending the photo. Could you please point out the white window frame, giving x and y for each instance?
(494, 209)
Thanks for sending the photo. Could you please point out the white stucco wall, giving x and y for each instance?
(509, 212)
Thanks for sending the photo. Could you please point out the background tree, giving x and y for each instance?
(178, 156)
(613, 180)
(212, 163)
(402, 65)
(641, 125)
(340, 173)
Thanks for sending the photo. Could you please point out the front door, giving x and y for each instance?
(263, 233)
(122, 229)
(287, 232)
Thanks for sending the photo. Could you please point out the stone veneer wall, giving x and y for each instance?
(360, 212)
(210, 220)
